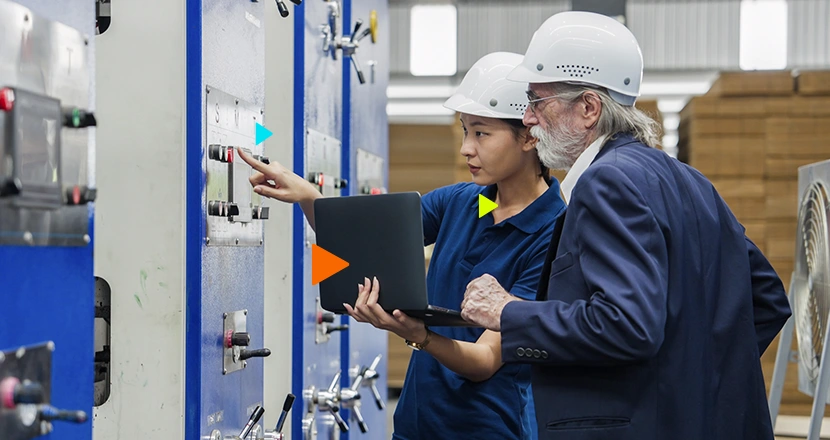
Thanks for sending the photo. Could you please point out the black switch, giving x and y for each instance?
(247, 354)
(233, 209)
(74, 117)
(264, 159)
(80, 195)
(341, 183)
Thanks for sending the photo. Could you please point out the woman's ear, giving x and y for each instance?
(529, 141)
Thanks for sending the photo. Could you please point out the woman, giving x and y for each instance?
(456, 385)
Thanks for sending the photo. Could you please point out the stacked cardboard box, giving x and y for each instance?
(749, 135)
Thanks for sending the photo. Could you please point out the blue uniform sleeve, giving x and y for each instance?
(623, 257)
(525, 287)
(770, 306)
(433, 206)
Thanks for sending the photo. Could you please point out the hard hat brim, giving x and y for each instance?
(525, 75)
(462, 104)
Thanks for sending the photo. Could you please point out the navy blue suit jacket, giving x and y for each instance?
(656, 312)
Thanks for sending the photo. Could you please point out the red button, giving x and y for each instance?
(76, 195)
(320, 180)
(6, 99)
(375, 191)
(230, 154)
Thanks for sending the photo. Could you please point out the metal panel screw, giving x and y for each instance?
(244, 364)
(225, 315)
(86, 238)
(207, 240)
(207, 89)
(26, 17)
(245, 312)
(224, 371)
(237, 241)
(28, 238)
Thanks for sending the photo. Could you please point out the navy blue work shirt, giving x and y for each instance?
(437, 403)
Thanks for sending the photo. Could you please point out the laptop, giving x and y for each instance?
(379, 236)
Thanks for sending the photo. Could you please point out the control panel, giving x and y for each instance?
(235, 343)
(370, 172)
(25, 394)
(45, 181)
(234, 210)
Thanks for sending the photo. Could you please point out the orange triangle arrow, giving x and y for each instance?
(324, 264)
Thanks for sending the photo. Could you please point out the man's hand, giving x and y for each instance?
(483, 302)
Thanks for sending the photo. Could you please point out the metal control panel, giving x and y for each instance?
(234, 211)
(47, 152)
(45, 177)
(371, 172)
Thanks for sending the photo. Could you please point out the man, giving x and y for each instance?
(656, 307)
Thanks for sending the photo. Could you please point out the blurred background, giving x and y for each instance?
(741, 87)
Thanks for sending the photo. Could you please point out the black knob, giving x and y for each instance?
(74, 117)
(341, 183)
(325, 317)
(247, 354)
(282, 8)
(215, 152)
(233, 209)
(240, 339)
(364, 428)
(264, 159)
(215, 208)
(50, 413)
(11, 187)
(28, 392)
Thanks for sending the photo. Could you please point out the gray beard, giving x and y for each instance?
(558, 148)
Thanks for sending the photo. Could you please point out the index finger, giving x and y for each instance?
(255, 164)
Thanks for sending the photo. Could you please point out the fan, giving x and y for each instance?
(809, 298)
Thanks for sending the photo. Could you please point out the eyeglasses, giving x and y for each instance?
(532, 99)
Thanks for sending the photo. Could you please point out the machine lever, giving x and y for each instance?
(253, 420)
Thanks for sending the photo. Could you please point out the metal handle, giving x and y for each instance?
(378, 399)
(335, 411)
(357, 25)
(286, 406)
(247, 354)
(336, 328)
(364, 428)
(253, 420)
(282, 8)
(356, 65)
(49, 413)
(334, 382)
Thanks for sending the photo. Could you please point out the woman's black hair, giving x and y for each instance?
(517, 127)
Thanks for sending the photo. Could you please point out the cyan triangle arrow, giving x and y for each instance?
(262, 133)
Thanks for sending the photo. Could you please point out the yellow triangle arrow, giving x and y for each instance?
(485, 206)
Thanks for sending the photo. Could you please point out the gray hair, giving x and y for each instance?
(614, 117)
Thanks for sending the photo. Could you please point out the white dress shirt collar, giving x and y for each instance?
(579, 167)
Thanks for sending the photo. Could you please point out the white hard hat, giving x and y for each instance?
(587, 48)
(485, 90)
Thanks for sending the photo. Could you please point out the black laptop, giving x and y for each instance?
(379, 236)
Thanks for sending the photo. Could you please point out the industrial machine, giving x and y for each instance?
(47, 186)
(341, 145)
(809, 296)
(197, 315)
